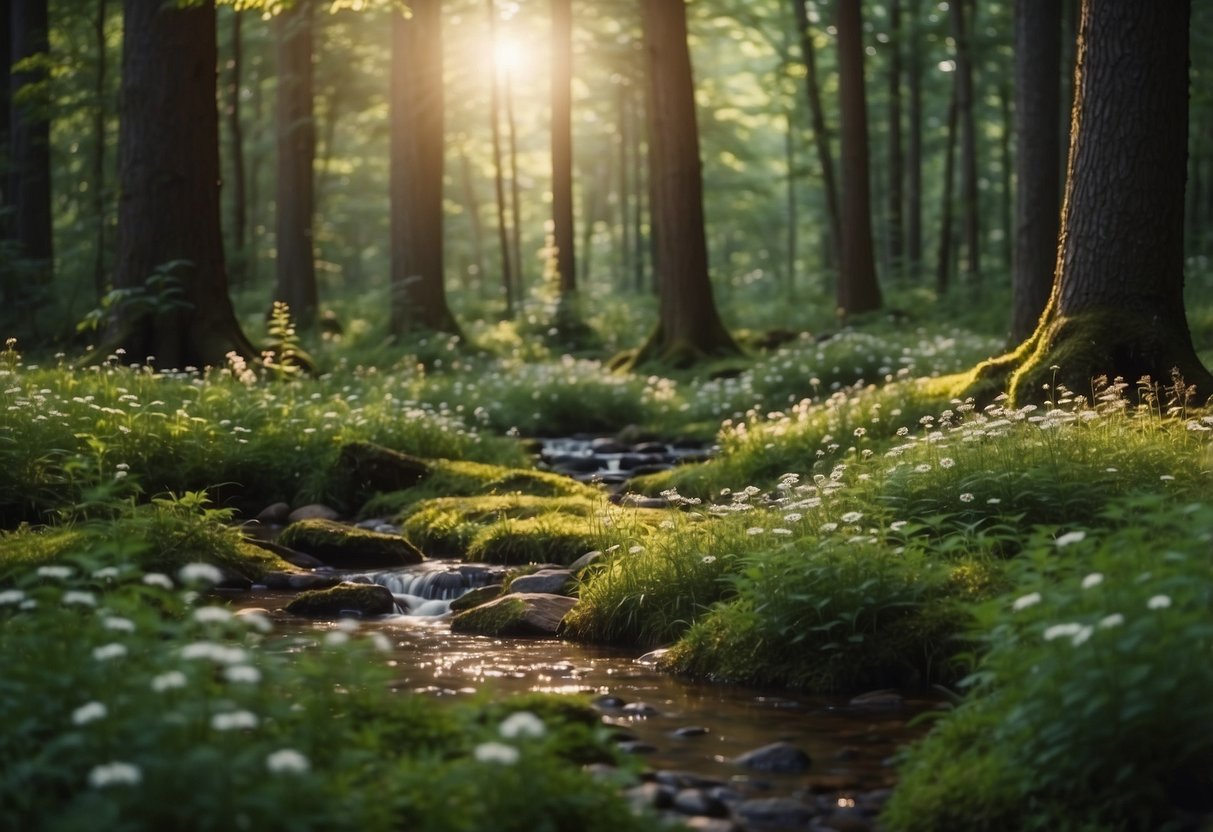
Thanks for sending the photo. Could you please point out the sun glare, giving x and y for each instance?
(509, 59)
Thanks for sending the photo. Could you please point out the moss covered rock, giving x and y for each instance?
(524, 614)
(552, 538)
(476, 597)
(346, 547)
(343, 600)
(451, 526)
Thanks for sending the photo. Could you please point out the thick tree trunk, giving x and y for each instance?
(503, 231)
(689, 328)
(471, 208)
(168, 175)
(792, 238)
(296, 142)
(970, 204)
(98, 184)
(914, 152)
(30, 153)
(896, 155)
(561, 80)
(236, 149)
(943, 268)
(418, 287)
(511, 127)
(1038, 191)
(858, 290)
(821, 135)
(1117, 307)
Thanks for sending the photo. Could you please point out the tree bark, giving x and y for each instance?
(914, 152)
(561, 80)
(821, 135)
(30, 153)
(417, 138)
(296, 144)
(1117, 306)
(236, 149)
(896, 154)
(689, 327)
(511, 127)
(98, 184)
(943, 270)
(970, 204)
(503, 231)
(1038, 191)
(857, 288)
(168, 176)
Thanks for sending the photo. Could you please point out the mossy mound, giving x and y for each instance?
(346, 547)
(361, 600)
(456, 478)
(550, 538)
(524, 614)
(450, 525)
(476, 597)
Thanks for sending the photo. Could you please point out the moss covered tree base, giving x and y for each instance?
(346, 547)
(680, 352)
(1075, 350)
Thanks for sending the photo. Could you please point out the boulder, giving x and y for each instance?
(274, 514)
(289, 555)
(781, 812)
(547, 581)
(524, 614)
(312, 511)
(476, 597)
(776, 758)
(344, 600)
(588, 559)
(345, 547)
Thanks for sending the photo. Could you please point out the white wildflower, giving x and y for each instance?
(84, 599)
(1158, 602)
(1113, 620)
(105, 652)
(118, 624)
(1067, 630)
(496, 752)
(90, 712)
(158, 579)
(1092, 580)
(287, 761)
(1070, 537)
(234, 720)
(114, 774)
(212, 615)
(852, 517)
(171, 680)
(1084, 633)
(522, 724)
(200, 573)
(55, 572)
(11, 596)
(1025, 601)
(242, 674)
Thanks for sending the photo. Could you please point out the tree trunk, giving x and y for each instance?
(821, 135)
(100, 114)
(168, 176)
(471, 208)
(1038, 192)
(236, 149)
(417, 105)
(858, 290)
(511, 127)
(624, 185)
(969, 202)
(1117, 307)
(296, 143)
(914, 152)
(689, 328)
(943, 271)
(792, 238)
(561, 80)
(896, 155)
(29, 153)
(642, 249)
(503, 231)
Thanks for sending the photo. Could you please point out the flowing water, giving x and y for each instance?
(688, 726)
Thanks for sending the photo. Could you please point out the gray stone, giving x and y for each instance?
(705, 824)
(879, 700)
(689, 731)
(686, 780)
(776, 758)
(640, 710)
(585, 560)
(698, 802)
(776, 811)
(275, 514)
(847, 820)
(552, 581)
(299, 581)
(312, 511)
(522, 614)
(650, 796)
(607, 445)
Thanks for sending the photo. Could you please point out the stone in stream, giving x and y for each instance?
(650, 796)
(688, 731)
(686, 780)
(878, 700)
(523, 614)
(699, 802)
(362, 600)
(776, 758)
(298, 581)
(275, 514)
(706, 824)
(553, 581)
(345, 547)
(847, 820)
(607, 445)
(640, 710)
(781, 812)
(312, 511)
(476, 597)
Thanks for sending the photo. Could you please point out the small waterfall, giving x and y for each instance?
(427, 589)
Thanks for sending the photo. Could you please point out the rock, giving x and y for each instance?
(878, 700)
(847, 820)
(363, 600)
(585, 560)
(704, 824)
(367, 468)
(686, 780)
(275, 514)
(476, 597)
(653, 657)
(345, 547)
(636, 747)
(651, 468)
(577, 465)
(650, 796)
(303, 561)
(639, 501)
(651, 449)
(297, 581)
(551, 581)
(698, 802)
(312, 511)
(776, 758)
(780, 812)
(608, 702)
(607, 445)
(522, 614)
(640, 710)
(689, 731)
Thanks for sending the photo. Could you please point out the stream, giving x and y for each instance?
(679, 726)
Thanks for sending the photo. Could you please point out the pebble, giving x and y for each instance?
(776, 758)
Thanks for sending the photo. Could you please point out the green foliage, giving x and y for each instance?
(483, 527)
(144, 712)
(1089, 699)
(160, 294)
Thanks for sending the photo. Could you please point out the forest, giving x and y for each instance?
(512, 415)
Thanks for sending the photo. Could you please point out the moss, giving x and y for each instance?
(497, 618)
(450, 525)
(348, 547)
(550, 538)
(363, 599)
(476, 597)
(28, 548)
